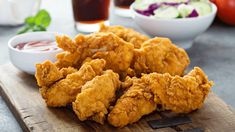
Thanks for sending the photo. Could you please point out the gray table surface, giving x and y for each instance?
(213, 51)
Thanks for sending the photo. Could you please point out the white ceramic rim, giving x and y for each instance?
(28, 35)
(214, 11)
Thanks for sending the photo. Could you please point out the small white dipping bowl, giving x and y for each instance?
(181, 31)
(26, 61)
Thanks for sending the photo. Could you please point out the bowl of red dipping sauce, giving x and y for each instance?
(26, 50)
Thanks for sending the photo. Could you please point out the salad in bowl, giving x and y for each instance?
(173, 9)
(180, 20)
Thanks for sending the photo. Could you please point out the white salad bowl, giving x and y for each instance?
(181, 31)
(26, 61)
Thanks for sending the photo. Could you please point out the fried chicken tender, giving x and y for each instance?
(64, 91)
(126, 34)
(117, 52)
(95, 97)
(132, 105)
(47, 73)
(179, 94)
(67, 59)
(182, 94)
(161, 56)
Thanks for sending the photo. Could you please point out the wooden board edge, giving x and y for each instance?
(232, 109)
(229, 107)
(12, 108)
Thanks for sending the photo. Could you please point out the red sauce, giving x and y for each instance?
(90, 11)
(43, 46)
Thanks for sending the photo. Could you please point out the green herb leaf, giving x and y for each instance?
(42, 18)
(24, 29)
(30, 21)
(38, 28)
(39, 22)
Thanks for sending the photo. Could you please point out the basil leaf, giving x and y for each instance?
(39, 22)
(42, 18)
(38, 28)
(30, 21)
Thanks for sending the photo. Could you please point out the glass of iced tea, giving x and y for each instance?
(89, 13)
(122, 7)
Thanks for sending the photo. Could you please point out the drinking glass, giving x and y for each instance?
(89, 13)
(122, 7)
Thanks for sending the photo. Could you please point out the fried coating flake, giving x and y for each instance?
(126, 34)
(67, 59)
(47, 73)
(95, 97)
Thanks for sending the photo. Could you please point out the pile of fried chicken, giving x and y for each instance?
(120, 75)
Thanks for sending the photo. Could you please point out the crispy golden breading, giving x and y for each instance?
(47, 73)
(66, 71)
(65, 90)
(67, 59)
(126, 34)
(179, 94)
(95, 98)
(66, 43)
(132, 105)
(161, 56)
(117, 52)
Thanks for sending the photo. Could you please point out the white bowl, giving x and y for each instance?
(181, 31)
(26, 61)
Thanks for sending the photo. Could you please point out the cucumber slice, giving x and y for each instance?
(203, 8)
(185, 10)
(166, 12)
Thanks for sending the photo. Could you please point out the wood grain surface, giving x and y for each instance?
(21, 94)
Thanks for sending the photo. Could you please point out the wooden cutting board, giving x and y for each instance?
(21, 94)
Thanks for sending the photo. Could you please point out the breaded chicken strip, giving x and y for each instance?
(65, 90)
(95, 97)
(126, 34)
(117, 52)
(179, 94)
(161, 56)
(47, 73)
(132, 105)
(67, 59)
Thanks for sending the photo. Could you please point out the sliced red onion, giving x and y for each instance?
(155, 6)
(194, 13)
(150, 10)
(143, 12)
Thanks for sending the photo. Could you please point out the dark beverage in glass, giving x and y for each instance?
(89, 13)
(123, 3)
(122, 7)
